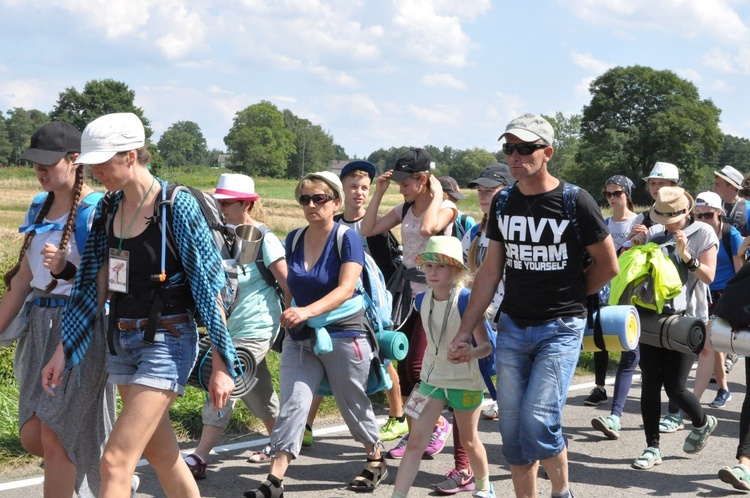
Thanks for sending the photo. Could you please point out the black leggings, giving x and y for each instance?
(664, 367)
(743, 449)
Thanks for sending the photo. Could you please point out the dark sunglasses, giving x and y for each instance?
(523, 149)
(317, 199)
(616, 194)
(705, 216)
(227, 203)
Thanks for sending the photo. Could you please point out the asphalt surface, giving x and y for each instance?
(598, 467)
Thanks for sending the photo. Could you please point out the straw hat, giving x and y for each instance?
(442, 249)
(672, 205)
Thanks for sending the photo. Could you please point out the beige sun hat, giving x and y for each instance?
(672, 205)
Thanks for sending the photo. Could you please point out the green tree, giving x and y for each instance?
(637, 116)
(21, 124)
(183, 144)
(314, 147)
(471, 164)
(5, 146)
(735, 152)
(99, 97)
(567, 137)
(259, 141)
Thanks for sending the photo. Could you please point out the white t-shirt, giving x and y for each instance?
(40, 276)
(620, 230)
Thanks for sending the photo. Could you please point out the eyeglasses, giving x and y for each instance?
(616, 194)
(227, 203)
(705, 216)
(523, 148)
(317, 199)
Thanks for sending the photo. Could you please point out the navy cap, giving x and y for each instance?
(365, 166)
(450, 187)
(413, 161)
(493, 176)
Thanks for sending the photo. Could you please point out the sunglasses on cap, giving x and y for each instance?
(616, 194)
(317, 199)
(705, 216)
(523, 148)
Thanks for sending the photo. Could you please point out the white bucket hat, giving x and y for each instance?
(235, 186)
(666, 171)
(731, 175)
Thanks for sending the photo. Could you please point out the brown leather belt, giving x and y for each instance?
(127, 324)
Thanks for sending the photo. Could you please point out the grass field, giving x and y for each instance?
(282, 214)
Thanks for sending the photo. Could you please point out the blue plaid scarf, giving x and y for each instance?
(199, 256)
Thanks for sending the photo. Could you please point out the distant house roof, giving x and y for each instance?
(337, 166)
(224, 161)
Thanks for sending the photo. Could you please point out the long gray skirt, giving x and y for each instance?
(83, 411)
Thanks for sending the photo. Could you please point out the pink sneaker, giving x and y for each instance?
(439, 436)
(398, 451)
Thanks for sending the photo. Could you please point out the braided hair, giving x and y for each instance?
(68, 230)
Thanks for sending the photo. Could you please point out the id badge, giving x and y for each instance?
(118, 271)
(416, 403)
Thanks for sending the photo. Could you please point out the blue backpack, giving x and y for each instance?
(486, 364)
(85, 210)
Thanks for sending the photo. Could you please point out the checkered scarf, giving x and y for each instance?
(200, 259)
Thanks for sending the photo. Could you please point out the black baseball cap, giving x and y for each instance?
(51, 142)
(413, 161)
(493, 176)
(450, 187)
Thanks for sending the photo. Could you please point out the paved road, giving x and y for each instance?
(598, 467)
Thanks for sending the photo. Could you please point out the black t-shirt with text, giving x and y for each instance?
(543, 257)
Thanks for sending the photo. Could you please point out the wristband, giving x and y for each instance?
(693, 264)
(67, 273)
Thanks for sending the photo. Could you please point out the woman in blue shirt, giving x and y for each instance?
(326, 335)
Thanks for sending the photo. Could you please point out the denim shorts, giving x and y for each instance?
(535, 367)
(166, 364)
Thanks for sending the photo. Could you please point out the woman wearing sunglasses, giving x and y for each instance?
(617, 192)
(322, 282)
(254, 322)
(709, 209)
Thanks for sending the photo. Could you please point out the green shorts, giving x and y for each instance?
(458, 399)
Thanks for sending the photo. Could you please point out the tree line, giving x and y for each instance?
(637, 116)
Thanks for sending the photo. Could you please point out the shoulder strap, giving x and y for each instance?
(726, 239)
(463, 300)
(502, 199)
(298, 233)
(82, 218)
(405, 208)
(260, 263)
(570, 198)
(418, 301)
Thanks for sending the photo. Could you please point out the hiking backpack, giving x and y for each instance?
(85, 208)
(486, 364)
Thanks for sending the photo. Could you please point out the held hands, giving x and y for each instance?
(52, 372)
(460, 349)
(53, 258)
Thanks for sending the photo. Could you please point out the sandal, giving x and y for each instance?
(197, 466)
(261, 456)
(651, 456)
(672, 422)
(698, 437)
(738, 476)
(367, 480)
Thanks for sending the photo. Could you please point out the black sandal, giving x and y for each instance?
(367, 480)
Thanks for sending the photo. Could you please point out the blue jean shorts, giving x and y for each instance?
(535, 367)
(166, 364)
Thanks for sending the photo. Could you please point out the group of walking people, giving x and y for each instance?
(120, 306)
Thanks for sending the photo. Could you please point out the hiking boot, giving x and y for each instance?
(698, 437)
(398, 451)
(672, 422)
(596, 396)
(491, 412)
(738, 476)
(721, 398)
(455, 481)
(609, 426)
(730, 361)
(307, 437)
(437, 441)
(393, 429)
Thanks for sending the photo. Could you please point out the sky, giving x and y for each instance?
(373, 73)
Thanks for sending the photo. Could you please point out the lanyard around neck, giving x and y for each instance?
(446, 313)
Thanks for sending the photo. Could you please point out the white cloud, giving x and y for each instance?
(433, 115)
(690, 74)
(590, 63)
(284, 98)
(443, 80)
(358, 105)
(26, 93)
(720, 85)
(338, 78)
(581, 90)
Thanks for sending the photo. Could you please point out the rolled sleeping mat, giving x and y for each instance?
(725, 339)
(676, 332)
(621, 329)
(393, 344)
(201, 374)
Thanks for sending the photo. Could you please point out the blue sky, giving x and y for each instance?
(374, 73)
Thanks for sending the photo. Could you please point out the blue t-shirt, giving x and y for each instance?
(725, 264)
(308, 286)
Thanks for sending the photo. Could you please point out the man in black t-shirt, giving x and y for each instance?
(547, 278)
